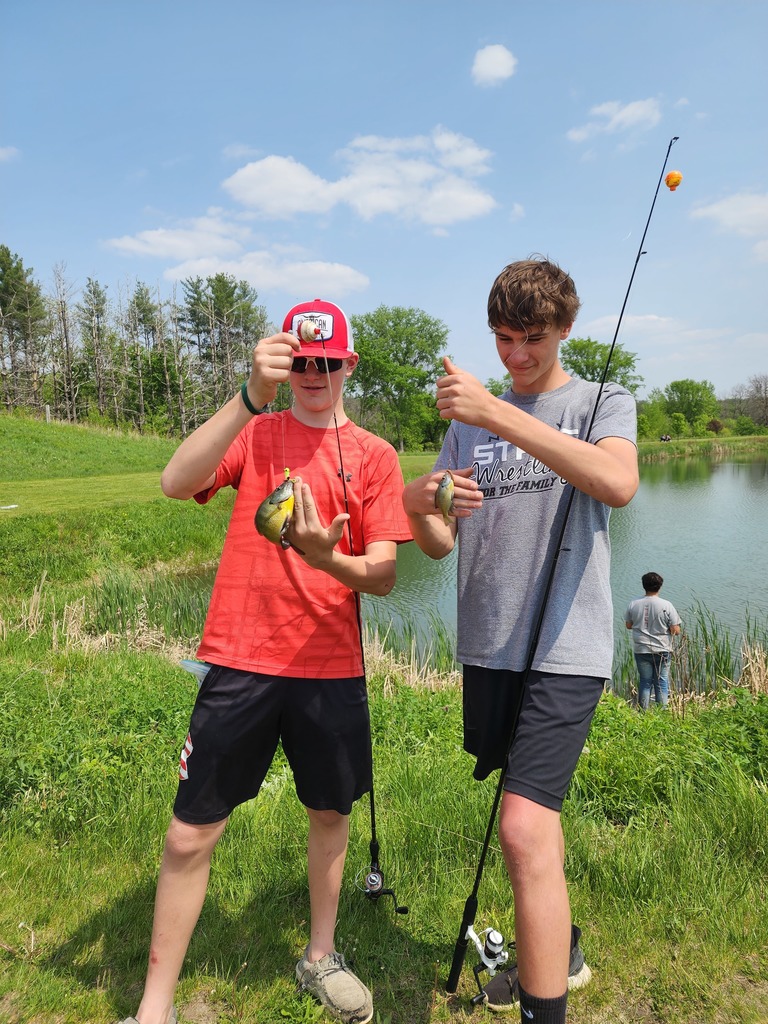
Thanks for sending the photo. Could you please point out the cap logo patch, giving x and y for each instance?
(322, 320)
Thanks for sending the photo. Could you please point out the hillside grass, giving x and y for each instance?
(665, 823)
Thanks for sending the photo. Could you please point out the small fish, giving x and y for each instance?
(444, 495)
(273, 516)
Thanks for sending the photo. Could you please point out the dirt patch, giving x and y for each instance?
(202, 1008)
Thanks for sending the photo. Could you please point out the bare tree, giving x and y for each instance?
(758, 398)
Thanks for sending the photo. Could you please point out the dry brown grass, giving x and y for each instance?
(754, 667)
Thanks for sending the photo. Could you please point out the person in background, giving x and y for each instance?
(653, 622)
(282, 639)
(513, 461)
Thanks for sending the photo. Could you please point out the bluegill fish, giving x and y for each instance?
(444, 495)
(273, 516)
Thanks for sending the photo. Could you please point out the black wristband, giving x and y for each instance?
(248, 403)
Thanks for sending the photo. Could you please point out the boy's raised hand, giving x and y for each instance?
(460, 396)
(271, 365)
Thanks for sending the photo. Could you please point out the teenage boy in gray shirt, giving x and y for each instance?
(514, 460)
(653, 622)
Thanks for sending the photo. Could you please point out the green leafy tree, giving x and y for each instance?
(23, 322)
(700, 426)
(399, 363)
(586, 358)
(692, 398)
(679, 424)
(652, 418)
(498, 386)
(92, 316)
(745, 426)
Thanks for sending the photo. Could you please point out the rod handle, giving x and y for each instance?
(460, 951)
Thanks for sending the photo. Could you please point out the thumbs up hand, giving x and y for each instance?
(460, 396)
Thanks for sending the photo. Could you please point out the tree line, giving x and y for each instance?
(165, 364)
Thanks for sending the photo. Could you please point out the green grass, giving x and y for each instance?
(32, 449)
(665, 831)
(665, 823)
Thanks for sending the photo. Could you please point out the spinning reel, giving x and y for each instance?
(374, 881)
(492, 956)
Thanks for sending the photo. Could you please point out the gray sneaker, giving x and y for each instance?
(330, 981)
(171, 1018)
(502, 993)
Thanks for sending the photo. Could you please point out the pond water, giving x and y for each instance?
(702, 524)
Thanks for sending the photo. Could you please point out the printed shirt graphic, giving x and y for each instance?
(269, 611)
(507, 548)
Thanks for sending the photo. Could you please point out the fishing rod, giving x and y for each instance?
(374, 887)
(466, 930)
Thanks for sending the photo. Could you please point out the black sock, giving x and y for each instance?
(542, 1011)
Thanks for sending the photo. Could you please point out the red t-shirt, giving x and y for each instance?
(269, 611)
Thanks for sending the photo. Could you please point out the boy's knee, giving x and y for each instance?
(519, 842)
(327, 819)
(184, 841)
(529, 835)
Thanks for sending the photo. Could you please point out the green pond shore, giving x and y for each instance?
(665, 823)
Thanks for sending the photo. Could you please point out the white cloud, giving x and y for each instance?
(8, 153)
(672, 349)
(268, 271)
(211, 235)
(745, 213)
(612, 117)
(279, 186)
(420, 178)
(215, 244)
(425, 179)
(493, 65)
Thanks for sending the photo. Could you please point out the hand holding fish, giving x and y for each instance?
(460, 396)
(272, 359)
(455, 498)
(307, 534)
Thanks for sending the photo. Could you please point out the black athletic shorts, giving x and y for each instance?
(554, 722)
(236, 724)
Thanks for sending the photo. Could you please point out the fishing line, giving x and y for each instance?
(470, 906)
(374, 879)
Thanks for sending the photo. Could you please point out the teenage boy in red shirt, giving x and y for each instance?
(282, 638)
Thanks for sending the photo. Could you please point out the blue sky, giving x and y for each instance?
(403, 153)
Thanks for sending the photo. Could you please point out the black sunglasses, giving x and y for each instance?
(322, 365)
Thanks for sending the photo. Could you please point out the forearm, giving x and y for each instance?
(364, 574)
(432, 535)
(606, 471)
(193, 465)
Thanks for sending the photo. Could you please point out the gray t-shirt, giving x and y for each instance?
(651, 618)
(506, 549)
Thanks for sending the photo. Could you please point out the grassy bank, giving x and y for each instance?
(665, 828)
(665, 823)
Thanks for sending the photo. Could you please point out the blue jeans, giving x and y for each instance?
(653, 670)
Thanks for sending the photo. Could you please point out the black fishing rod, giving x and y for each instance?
(374, 879)
(470, 907)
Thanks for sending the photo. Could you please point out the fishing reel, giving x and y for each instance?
(373, 883)
(374, 888)
(490, 947)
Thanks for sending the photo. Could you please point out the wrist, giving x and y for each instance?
(253, 409)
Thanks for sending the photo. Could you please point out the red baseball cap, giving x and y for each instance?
(333, 332)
